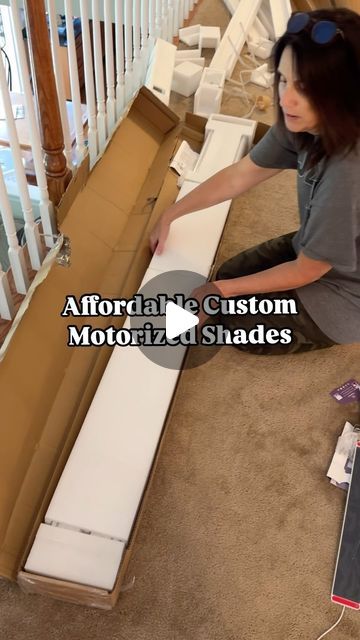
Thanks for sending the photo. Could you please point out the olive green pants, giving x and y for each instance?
(306, 335)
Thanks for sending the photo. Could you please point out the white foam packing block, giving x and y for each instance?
(199, 61)
(212, 76)
(207, 100)
(193, 239)
(281, 12)
(261, 49)
(225, 56)
(186, 78)
(227, 139)
(161, 69)
(209, 38)
(103, 481)
(190, 35)
(262, 77)
(182, 54)
(264, 15)
(70, 555)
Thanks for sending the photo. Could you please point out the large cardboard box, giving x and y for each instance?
(47, 387)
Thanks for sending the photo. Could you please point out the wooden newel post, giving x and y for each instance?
(52, 139)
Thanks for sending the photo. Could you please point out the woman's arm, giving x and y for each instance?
(224, 185)
(288, 275)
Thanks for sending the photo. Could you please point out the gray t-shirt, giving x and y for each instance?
(329, 206)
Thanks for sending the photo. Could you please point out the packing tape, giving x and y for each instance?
(39, 278)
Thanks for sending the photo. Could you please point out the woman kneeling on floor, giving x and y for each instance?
(317, 91)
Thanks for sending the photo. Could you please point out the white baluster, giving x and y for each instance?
(181, 13)
(31, 228)
(89, 82)
(15, 252)
(99, 76)
(152, 19)
(176, 18)
(144, 36)
(158, 19)
(74, 82)
(137, 43)
(128, 50)
(170, 20)
(109, 64)
(55, 45)
(186, 9)
(120, 60)
(45, 206)
(164, 20)
(6, 302)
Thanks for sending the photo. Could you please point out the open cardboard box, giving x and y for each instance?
(47, 387)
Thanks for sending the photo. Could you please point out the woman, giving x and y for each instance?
(317, 90)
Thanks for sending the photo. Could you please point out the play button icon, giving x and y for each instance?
(176, 325)
(178, 320)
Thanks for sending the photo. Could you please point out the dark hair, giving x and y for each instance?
(331, 78)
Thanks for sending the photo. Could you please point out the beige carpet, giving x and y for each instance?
(240, 532)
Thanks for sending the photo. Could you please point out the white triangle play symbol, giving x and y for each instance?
(178, 320)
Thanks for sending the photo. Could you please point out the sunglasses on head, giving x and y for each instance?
(321, 31)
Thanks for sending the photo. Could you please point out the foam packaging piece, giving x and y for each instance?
(214, 77)
(227, 139)
(198, 61)
(186, 78)
(193, 239)
(265, 17)
(261, 49)
(75, 556)
(233, 40)
(207, 100)
(209, 38)
(262, 77)
(190, 35)
(101, 486)
(161, 69)
(184, 54)
(280, 12)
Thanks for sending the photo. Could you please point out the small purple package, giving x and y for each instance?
(348, 392)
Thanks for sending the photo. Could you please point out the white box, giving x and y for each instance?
(190, 35)
(209, 37)
(233, 40)
(160, 70)
(186, 78)
(184, 54)
(66, 554)
(104, 478)
(207, 100)
(213, 77)
(261, 49)
(199, 61)
(262, 77)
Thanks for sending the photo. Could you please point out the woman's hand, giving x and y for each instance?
(199, 294)
(159, 234)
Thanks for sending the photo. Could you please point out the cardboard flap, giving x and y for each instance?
(141, 134)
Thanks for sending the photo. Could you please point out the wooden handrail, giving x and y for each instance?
(52, 139)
